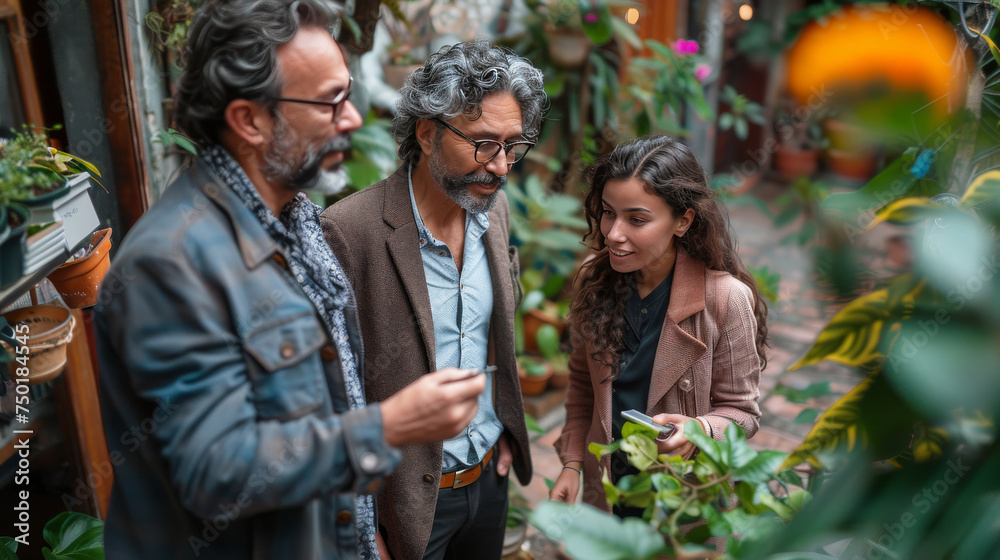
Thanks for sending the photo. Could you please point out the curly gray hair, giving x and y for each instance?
(454, 82)
(231, 54)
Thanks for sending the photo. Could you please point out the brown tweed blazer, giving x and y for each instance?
(374, 235)
(706, 365)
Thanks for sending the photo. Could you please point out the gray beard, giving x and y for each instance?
(457, 187)
(306, 173)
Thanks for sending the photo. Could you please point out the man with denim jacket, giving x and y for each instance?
(228, 336)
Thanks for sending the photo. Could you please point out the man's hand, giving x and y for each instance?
(567, 486)
(436, 407)
(506, 456)
(678, 443)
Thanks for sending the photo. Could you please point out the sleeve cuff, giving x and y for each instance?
(371, 458)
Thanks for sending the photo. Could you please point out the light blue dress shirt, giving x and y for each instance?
(461, 307)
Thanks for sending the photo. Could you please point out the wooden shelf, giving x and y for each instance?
(11, 292)
(76, 397)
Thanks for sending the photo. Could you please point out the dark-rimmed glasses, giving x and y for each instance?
(337, 105)
(486, 150)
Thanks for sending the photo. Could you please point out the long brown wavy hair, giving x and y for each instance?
(668, 169)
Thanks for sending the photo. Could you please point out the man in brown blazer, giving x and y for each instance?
(427, 251)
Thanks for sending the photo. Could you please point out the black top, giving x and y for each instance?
(644, 318)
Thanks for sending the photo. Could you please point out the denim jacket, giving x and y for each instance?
(223, 402)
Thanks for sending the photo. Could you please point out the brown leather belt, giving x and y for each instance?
(465, 477)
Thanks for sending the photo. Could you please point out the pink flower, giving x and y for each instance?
(684, 47)
(590, 18)
(701, 71)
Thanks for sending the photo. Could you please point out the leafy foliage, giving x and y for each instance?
(546, 227)
(69, 535)
(29, 167)
(734, 489)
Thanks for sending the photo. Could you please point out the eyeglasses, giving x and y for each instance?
(337, 105)
(486, 150)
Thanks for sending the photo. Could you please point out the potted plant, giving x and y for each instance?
(79, 279)
(51, 329)
(800, 140)
(52, 184)
(537, 313)
(517, 522)
(534, 374)
(548, 338)
(851, 154)
(411, 34)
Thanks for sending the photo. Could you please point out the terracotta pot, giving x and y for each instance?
(534, 318)
(395, 74)
(534, 384)
(559, 379)
(793, 163)
(79, 281)
(50, 328)
(568, 48)
(846, 136)
(855, 167)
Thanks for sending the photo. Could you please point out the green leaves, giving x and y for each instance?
(73, 536)
(673, 492)
(906, 211)
(8, 548)
(852, 337)
(591, 534)
(596, 19)
(837, 425)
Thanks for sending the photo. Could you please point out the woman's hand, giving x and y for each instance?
(676, 444)
(567, 486)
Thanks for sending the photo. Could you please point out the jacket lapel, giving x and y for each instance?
(402, 244)
(677, 349)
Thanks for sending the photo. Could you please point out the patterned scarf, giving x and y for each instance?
(319, 274)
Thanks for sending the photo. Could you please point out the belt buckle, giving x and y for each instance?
(473, 475)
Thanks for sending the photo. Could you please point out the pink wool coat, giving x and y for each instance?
(706, 365)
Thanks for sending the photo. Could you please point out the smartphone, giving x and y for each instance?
(634, 415)
(475, 372)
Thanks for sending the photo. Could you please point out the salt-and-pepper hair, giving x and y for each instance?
(231, 53)
(454, 82)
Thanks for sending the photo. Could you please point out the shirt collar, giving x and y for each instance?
(475, 224)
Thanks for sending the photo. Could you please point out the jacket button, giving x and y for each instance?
(328, 353)
(373, 487)
(685, 384)
(428, 479)
(344, 517)
(287, 350)
(369, 461)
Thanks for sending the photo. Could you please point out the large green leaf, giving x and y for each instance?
(8, 548)
(984, 187)
(852, 337)
(74, 536)
(641, 451)
(838, 424)
(591, 534)
(906, 211)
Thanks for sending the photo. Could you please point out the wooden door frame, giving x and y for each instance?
(13, 15)
(123, 116)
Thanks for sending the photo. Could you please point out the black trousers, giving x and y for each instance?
(470, 522)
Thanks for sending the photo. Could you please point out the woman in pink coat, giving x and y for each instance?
(666, 318)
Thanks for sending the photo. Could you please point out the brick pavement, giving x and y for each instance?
(794, 322)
